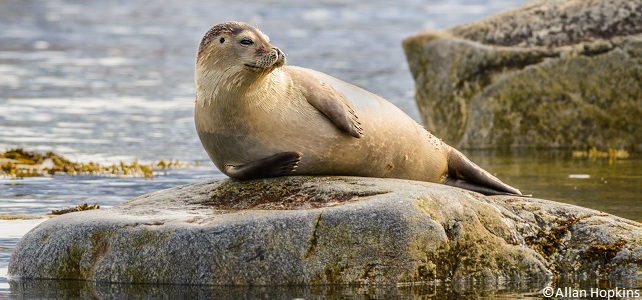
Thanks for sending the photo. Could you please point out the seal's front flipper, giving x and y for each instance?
(331, 103)
(280, 164)
(465, 174)
(337, 108)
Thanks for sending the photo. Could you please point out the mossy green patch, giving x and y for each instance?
(100, 247)
(149, 238)
(345, 253)
(138, 274)
(314, 238)
(476, 246)
(71, 265)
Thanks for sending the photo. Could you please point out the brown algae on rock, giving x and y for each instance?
(297, 193)
(79, 207)
(19, 163)
(603, 254)
(547, 243)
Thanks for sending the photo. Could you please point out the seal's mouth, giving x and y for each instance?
(252, 67)
(272, 60)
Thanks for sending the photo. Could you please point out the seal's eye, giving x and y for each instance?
(222, 40)
(246, 42)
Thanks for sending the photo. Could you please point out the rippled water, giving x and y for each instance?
(112, 80)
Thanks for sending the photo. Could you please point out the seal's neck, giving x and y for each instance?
(234, 86)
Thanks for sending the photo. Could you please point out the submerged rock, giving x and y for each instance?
(328, 230)
(551, 73)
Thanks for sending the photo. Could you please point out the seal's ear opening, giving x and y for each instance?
(222, 40)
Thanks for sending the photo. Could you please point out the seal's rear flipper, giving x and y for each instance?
(463, 184)
(465, 174)
(280, 164)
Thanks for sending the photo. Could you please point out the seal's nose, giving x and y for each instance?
(279, 53)
(280, 57)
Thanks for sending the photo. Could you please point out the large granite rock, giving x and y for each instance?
(551, 73)
(328, 230)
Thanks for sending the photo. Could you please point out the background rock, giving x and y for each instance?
(551, 73)
(328, 230)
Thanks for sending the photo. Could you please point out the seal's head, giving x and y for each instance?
(238, 47)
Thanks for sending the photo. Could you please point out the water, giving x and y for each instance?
(85, 290)
(610, 186)
(113, 80)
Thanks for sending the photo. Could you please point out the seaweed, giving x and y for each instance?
(79, 207)
(19, 163)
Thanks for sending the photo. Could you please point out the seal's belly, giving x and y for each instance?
(260, 134)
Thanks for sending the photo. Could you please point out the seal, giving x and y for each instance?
(258, 118)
